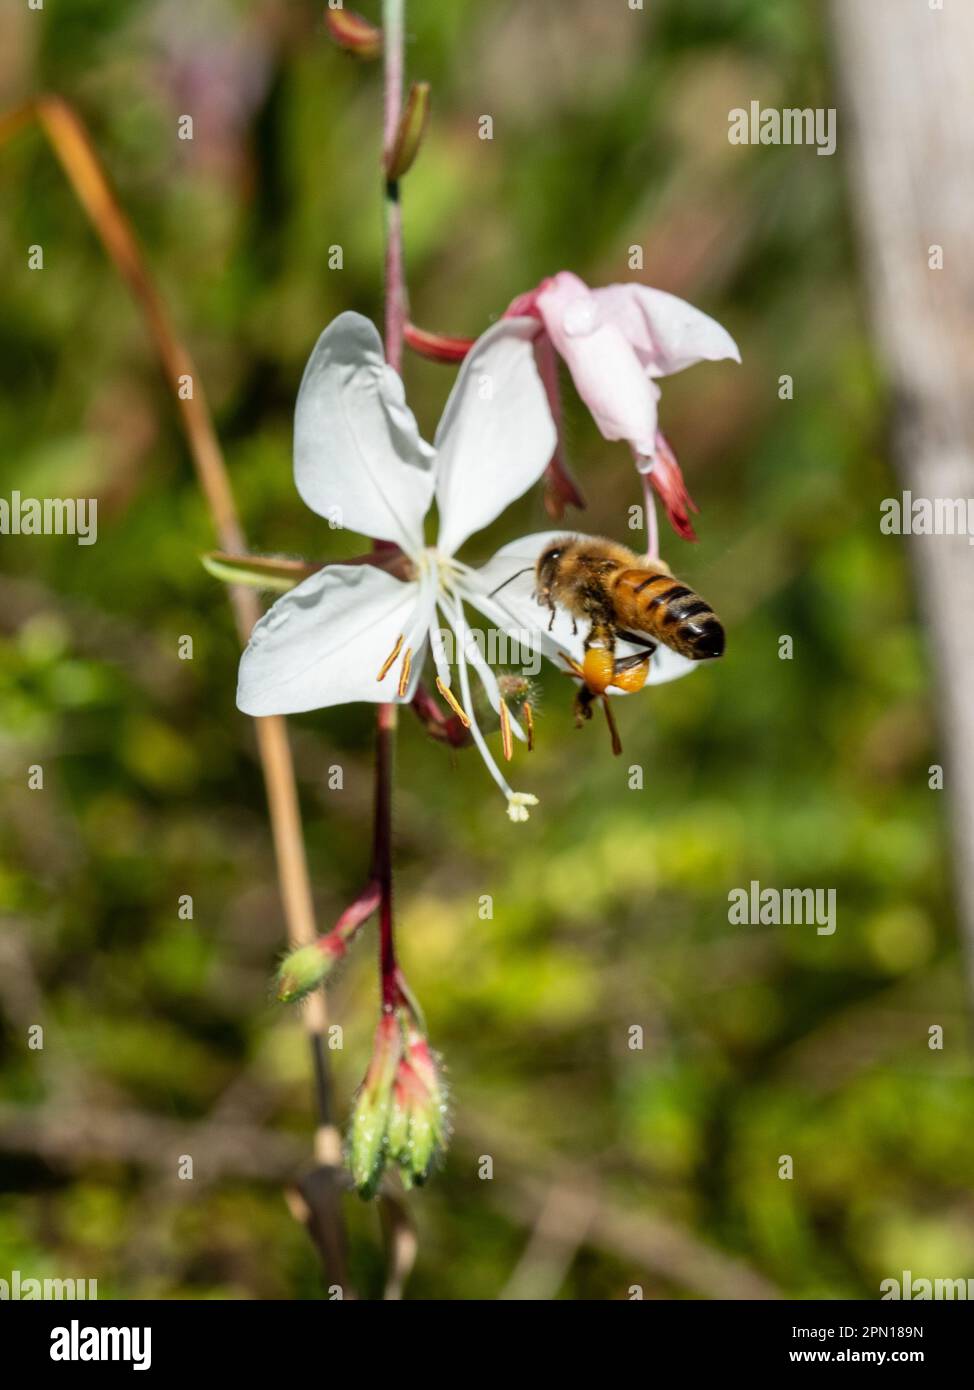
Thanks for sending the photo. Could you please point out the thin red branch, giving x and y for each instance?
(395, 320)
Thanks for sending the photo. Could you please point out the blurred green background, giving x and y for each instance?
(655, 1167)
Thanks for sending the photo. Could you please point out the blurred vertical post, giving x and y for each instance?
(907, 68)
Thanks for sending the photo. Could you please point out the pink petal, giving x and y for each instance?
(667, 333)
(605, 369)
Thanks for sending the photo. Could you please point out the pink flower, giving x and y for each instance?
(616, 342)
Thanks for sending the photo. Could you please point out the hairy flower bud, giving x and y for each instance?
(417, 1128)
(305, 969)
(367, 1140)
(400, 1111)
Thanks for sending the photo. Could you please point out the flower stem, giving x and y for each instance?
(395, 321)
(396, 306)
(385, 741)
(652, 526)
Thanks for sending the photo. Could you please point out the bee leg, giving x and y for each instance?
(630, 663)
(598, 663)
(613, 729)
(584, 700)
(574, 628)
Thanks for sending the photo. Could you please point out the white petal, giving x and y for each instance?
(358, 456)
(496, 436)
(325, 642)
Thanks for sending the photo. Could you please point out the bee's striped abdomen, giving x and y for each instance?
(655, 603)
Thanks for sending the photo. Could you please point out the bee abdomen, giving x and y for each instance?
(673, 612)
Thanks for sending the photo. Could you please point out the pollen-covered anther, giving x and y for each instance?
(407, 662)
(386, 666)
(453, 702)
(507, 738)
(528, 713)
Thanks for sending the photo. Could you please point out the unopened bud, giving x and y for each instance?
(353, 33)
(305, 969)
(409, 135)
(417, 1127)
(367, 1141)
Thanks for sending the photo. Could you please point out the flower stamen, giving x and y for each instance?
(453, 702)
(407, 662)
(518, 803)
(528, 713)
(387, 664)
(507, 740)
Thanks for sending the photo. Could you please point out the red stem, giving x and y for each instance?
(355, 915)
(395, 278)
(395, 320)
(382, 852)
(439, 347)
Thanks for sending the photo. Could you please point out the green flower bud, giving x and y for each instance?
(367, 1140)
(412, 128)
(417, 1132)
(305, 969)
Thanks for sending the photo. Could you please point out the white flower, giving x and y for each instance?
(354, 632)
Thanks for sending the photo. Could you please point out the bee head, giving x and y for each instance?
(547, 566)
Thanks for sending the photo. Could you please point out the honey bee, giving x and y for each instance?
(623, 598)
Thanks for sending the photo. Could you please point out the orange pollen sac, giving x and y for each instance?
(598, 669)
(632, 679)
(407, 662)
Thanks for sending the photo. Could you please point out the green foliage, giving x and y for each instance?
(610, 906)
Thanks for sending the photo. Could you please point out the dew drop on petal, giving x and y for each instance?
(580, 318)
